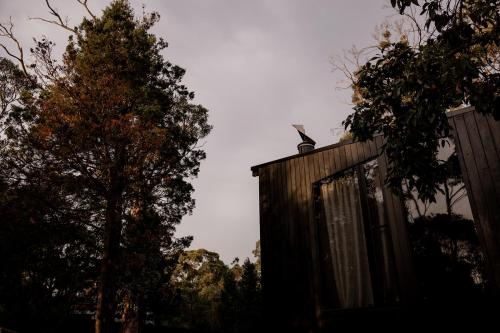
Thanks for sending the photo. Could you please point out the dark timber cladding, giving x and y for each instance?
(477, 138)
(294, 293)
(289, 235)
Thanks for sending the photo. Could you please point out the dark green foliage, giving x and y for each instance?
(149, 255)
(241, 300)
(250, 299)
(48, 264)
(257, 254)
(13, 84)
(448, 259)
(229, 303)
(211, 296)
(197, 280)
(404, 91)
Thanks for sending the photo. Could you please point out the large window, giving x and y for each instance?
(347, 240)
(447, 256)
(356, 243)
(356, 250)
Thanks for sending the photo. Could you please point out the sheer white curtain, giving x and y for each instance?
(344, 220)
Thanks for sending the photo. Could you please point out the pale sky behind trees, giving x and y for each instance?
(258, 66)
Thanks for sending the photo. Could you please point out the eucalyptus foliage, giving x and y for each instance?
(405, 90)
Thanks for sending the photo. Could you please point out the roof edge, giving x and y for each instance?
(255, 168)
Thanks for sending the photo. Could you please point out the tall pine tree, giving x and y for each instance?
(107, 128)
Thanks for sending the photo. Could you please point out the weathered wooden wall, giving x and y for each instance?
(477, 138)
(289, 232)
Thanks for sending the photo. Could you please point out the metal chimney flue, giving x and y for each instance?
(307, 143)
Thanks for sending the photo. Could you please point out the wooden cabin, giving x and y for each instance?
(334, 239)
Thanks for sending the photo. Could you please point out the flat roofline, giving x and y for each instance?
(255, 168)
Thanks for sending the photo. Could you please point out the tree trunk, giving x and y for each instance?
(106, 302)
(130, 317)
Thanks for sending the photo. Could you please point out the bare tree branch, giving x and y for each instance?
(56, 14)
(84, 4)
(348, 63)
(53, 22)
(7, 31)
(58, 21)
(417, 30)
(455, 193)
(453, 202)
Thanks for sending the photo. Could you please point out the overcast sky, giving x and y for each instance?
(258, 66)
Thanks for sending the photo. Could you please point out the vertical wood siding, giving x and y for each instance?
(291, 262)
(477, 138)
(291, 238)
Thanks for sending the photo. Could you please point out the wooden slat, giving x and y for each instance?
(361, 151)
(325, 164)
(291, 185)
(331, 162)
(290, 213)
(310, 237)
(317, 166)
(301, 300)
(480, 152)
(263, 205)
(348, 154)
(476, 193)
(301, 183)
(335, 161)
(494, 126)
(274, 246)
(486, 202)
(300, 297)
(386, 243)
(464, 168)
(315, 239)
(265, 243)
(400, 240)
(282, 245)
(379, 142)
(293, 249)
(366, 149)
(373, 148)
(355, 153)
(491, 154)
(343, 160)
(292, 233)
(336, 157)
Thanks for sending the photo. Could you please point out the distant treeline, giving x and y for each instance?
(45, 287)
